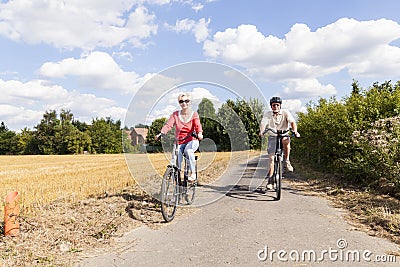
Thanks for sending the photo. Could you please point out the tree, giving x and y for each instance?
(208, 120)
(155, 129)
(45, 133)
(81, 126)
(140, 125)
(239, 125)
(106, 135)
(8, 142)
(250, 113)
(27, 142)
(69, 140)
(127, 143)
(66, 116)
(231, 128)
(257, 108)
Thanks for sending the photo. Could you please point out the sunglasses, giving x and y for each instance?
(184, 101)
(275, 105)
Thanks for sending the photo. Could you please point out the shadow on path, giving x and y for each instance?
(252, 184)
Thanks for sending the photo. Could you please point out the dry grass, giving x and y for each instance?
(43, 179)
(376, 214)
(74, 205)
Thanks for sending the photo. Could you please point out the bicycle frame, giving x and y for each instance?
(279, 147)
(278, 159)
(174, 163)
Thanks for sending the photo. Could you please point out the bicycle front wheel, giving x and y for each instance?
(278, 179)
(169, 195)
(190, 192)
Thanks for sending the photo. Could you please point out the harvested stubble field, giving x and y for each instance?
(73, 205)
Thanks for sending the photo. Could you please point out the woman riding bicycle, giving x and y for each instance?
(186, 122)
(278, 119)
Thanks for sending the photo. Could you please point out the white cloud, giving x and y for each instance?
(385, 59)
(308, 87)
(294, 105)
(123, 54)
(169, 103)
(198, 93)
(23, 104)
(199, 28)
(16, 117)
(334, 46)
(362, 47)
(245, 45)
(96, 70)
(29, 93)
(195, 5)
(76, 24)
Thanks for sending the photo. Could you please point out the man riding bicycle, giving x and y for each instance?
(278, 119)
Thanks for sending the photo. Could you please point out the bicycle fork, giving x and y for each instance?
(277, 160)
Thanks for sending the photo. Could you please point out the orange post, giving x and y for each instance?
(11, 213)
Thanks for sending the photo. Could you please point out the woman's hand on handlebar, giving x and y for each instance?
(200, 136)
(158, 136)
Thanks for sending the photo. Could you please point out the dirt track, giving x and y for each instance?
(243, 224)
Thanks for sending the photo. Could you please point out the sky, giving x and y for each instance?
(92, 57)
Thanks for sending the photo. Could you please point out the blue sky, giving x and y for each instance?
(92, 56)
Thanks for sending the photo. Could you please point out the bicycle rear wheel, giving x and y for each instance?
(278, 179)
(169, 195)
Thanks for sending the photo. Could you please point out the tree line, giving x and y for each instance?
(62, 134)
(356, 138)
(233, 127)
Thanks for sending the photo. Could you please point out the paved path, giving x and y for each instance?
(248, 228)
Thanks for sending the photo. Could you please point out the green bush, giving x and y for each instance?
(356, 138)
(376, 162)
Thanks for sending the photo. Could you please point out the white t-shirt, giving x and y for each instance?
(280, 121)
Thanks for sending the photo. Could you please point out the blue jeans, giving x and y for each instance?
(188, 149)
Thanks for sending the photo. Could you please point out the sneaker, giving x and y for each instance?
(270, 183)
(288, 166)
(192, 178)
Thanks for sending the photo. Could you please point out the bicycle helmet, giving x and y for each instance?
(275, 99)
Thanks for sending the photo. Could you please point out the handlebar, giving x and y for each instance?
(278, 132)
(193, 134)
(281, 132)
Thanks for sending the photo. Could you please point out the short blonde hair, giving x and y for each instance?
(181, 95)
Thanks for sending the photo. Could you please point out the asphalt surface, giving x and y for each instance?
(237, 223)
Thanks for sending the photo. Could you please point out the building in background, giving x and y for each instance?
(138, 136)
